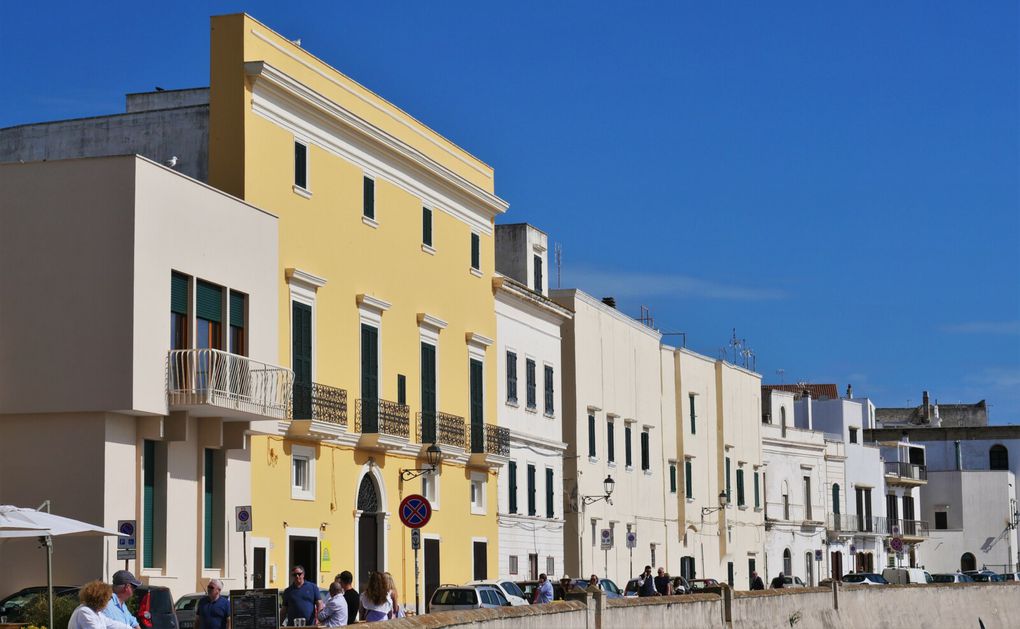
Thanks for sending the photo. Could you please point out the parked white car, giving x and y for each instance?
(509, 589)
(951, 577)
(903, 576)
(457, 597)
(864, 578)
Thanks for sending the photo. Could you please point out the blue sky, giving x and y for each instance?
(841, 184)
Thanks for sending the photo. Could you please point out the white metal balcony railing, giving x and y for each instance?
(228, 381)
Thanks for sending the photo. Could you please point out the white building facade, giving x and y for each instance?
(529, 398)
(157, 295)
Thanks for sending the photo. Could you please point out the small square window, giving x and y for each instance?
(853, 435)
(941, 520)
(302, 473)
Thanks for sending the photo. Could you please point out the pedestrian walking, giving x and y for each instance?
(779, 582)
(544, 591)
(646, 583)
(124, 584)
(334, 612)
(94, 597)
(301, 598)
(376, 603)
(663, 584)
(346, 581)
(756, 582)
(213, 610)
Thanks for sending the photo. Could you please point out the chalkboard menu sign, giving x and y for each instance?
(255, 609)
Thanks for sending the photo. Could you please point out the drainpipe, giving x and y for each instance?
(662, 457)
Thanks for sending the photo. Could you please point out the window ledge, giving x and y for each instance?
(512, 403)
(476, 272)
(742, 507)
(302, 495)
(593, 459)
(757, 509)
(629, 468)
(612, 464)
(428, 249)
(477, 511)
(371, 222)
(647, 472)
(690, 500)
(302, 192)
(549, 415)
(531, 409)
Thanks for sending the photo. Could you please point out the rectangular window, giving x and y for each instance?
(209, 315)
(477, 405)
(538, 274)
(550, 494)
(511, 378)
(207, 499)
(610, 440)
(512, 486)
(549, 393)
(628, 458)
(478, 493)
(476, 252)
(757, 500)
(550, 565)
(591, 436)
(532, 509)
(694, 425)
(941, 520)
(301, 359)
(740, 487)
(807, 498)
(301, 478)
(238, 338)
(428, 393)
(646, 463)
(853, 435)
(300, 165)
(368, 198)
(513, 564)
(688, 481)
(369, 379)
(529, 368)
(729, 495)
(401, 389)
(148, 503)
(179, 288)
(672, 477)
(426, 227)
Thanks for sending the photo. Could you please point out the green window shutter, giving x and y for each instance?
(610, 441)
(728, 494)
(148, 502)
(550, 511)
(511, 377)
(209, 302)
(301, 359)
(300, 165)
(672, 478)
(368, 208)
(476, 253)
(591, 435)
(179, 293)
(628, 459)
(401, 389)
(477, 407)
(531, 490)
(688, 481)
(549, 393)
(513, 486)
(538, 274)
(426, 226)
(645, 450)
(694, 425)
(236, 309)
(757, 500)
(740, 487)
(531, 383)
(208, 516)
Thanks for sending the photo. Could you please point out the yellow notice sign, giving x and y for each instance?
(325, 557)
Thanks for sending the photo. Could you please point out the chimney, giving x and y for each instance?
(925, 407)
(609, 301)
(849, 391)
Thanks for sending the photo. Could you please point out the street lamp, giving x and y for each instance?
(433, 455)
(608, 486)
(724, 502)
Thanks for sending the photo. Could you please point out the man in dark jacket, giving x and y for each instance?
(779, 582)
(646, 583)
(756, 582)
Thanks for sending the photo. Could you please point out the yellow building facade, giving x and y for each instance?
(387, 318)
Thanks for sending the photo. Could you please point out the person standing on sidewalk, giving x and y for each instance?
(213, 610)
(346, 581)
(334, 613)
(544, 591)
(301, 598)
(646, 583)
(124, 584)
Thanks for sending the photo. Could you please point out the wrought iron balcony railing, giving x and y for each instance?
(441, 428)
(905, 528)
(907, 471)
(228, 381)
(488, 439)
(320, 402)
(382, 417)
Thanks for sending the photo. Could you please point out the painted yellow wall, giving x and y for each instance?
(325, 235)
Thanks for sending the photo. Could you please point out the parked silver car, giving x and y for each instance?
(186, 608)
(951, 577)
(455, 597)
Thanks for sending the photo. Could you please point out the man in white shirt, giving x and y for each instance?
(334, 614)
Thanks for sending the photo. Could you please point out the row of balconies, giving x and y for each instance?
(214, 382)
(875, 525)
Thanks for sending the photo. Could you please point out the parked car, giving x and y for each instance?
(698, 585)
(1011, 576)
(155, 607)
(985, 576)
(528, 587)
(508, 588)
(610, 588)
(455, 597)
(865, 578)
(14, 605)
(904, 576)
(790, 581)
(186, 607)
(951, 577)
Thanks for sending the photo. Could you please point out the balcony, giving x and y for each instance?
(318, 411)
(490, 444)
(384, 425)
(214, 383)
(907, 474)
(443, 429)
(909, 530)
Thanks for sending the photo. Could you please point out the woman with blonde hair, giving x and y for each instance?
(391, 585)
(94, 597)
(376, 602)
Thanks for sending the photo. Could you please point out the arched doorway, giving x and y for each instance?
(968, 562)
(787, 563)
(369, 520)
